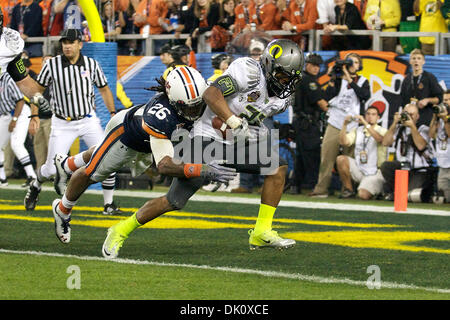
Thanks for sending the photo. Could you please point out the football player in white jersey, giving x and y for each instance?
(247, 93)
(11, 48)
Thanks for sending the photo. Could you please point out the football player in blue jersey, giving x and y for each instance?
(140, 135)
(240, 99)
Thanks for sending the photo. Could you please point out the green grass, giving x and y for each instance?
(43, 277)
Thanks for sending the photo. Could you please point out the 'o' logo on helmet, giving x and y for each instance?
(276, 51)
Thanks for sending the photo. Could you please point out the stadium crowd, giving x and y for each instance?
(340, 144)
(227, 19)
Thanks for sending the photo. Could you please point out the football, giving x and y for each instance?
(218, 124)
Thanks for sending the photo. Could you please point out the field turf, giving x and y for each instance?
(202, 252)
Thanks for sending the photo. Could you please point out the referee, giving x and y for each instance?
(71, 78)
(14, 120)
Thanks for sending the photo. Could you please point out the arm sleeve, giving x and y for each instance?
(161, 148)
(100, 78)
(14, 91)
(362, 92)
(16, 69)
(44, 77)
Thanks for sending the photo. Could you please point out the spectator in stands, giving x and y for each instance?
(326, 13)
(72, 14)
(303, 16)
(369, 155)
(52, 22)
(7, 7)
(129, 47)
(174, 16)
(346, 94)
(445, 10)
(26, 18)
(110, 21)
(156, 19)
(142, 16)
(413, 152)
(421, 87)
(440, 131)
(347, 18)
(408, 22)
(205, 16)
(245, 16)
(385, 16)
(431, 20)
(226, 15)
(267, 15)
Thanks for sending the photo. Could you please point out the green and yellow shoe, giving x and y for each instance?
(113, 242)
(268, 239)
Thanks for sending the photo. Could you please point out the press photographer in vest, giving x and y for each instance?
(346, 94)
(440, 131)
(413, 152)
(363, 167)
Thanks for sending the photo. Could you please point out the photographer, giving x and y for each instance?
(421, 87)
(346, 94)
(309, 104)
(369, 154)
(413, 152)
(440, 131)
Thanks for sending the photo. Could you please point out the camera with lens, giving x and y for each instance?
(441, 108)
(404, 116)
(337, 69)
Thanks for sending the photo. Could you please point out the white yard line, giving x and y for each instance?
(270, 274)
(283, 203)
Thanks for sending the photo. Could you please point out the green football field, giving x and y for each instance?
(345, 250)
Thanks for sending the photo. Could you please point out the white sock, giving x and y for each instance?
(74, 162)
(30, 171)
(108, 196)
(67, 203)
(2, 172)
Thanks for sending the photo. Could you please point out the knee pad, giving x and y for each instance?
(181, 190)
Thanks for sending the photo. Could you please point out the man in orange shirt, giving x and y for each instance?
(268, 15)
(303, 16)
(245, 15)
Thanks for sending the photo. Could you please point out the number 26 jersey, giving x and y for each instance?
(156, 118)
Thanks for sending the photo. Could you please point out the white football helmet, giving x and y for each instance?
(185, 87)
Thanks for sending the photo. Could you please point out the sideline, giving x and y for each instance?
(256, 201)
(271, 274)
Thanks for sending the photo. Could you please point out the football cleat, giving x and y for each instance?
(111, 209)
(61, 177)
(268, 239)
(32, 197)
(62, 223)
(113, 242)
(27, 182)
(3, 182)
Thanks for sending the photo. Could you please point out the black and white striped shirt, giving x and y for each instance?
(71, 85)
(10, 94)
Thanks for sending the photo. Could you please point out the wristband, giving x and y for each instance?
(233, 122)
(33, 116)
(192, 170)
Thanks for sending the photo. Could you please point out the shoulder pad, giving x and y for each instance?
(13, 40)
